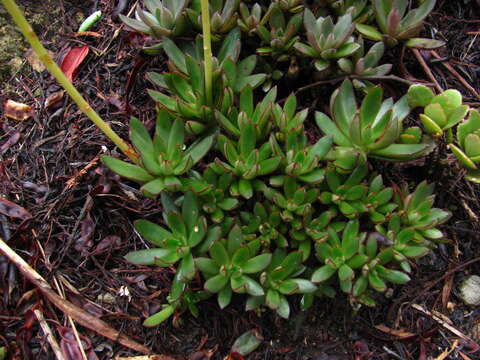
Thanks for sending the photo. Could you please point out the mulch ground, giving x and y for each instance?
(81, 221)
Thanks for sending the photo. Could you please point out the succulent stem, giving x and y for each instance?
(45, 58)
(207, 50)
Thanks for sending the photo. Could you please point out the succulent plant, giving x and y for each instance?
(245, 160)
(187, 230)
(164, 159)
(258, 115)
(163, 18)
(287, 119)
(441, 112)
(468, 150)
(362, 64)
(355, 197)
(186, 83)
(265, 223)
(276, 210)
(327, 42)
(299, 160)
(358, 262)
(293, 6)
(223, 16)
(340, 256)
(213, 192)
(250, 18)
(378, 253)
(281, 279)
(361, 10)
(370, 131)
(416, 214)
(396, 24)
(278, 41)
(230, 267)
(294, 201)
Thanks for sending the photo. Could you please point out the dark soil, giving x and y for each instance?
(78, 234)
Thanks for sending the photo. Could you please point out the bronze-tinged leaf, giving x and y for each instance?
(11, 209)
(17, 111)
(400, 334)
(54, 99)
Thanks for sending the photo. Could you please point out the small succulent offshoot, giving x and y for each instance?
(396, 24)
(165, 159)
(161, 18)
(327, 42)
(223, 16)
(468, 150)
(440, 112)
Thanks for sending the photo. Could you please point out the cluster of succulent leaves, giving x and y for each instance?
(254, 206)
(330, 36)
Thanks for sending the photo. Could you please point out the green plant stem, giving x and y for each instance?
(53, 68)
(207, 50)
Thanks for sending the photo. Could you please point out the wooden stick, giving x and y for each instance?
(427, 70)
(442, 322)
(457, 75)
(82, 317)
(49, 335)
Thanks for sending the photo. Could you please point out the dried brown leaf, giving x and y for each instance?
(106, 243)
(398, 333)
(17, 111)
(11, 209)
(54, 98)
(84, 243)
(12, 140)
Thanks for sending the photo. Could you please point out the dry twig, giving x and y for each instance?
(49, 335)
(82, 317)
(427, 70)
(442, 322)
(457, 75)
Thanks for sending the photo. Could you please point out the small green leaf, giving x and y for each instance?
(415, 251)
(345, 273)
(224, 297)
(154, 233)
(127, 170)
(376, 282)
(147, 256)
(252, 287)
(175, 54)
(245, 188)
(186, 270)
(323, 273)
(216, 283)
(256, 264)
(159, 317)
(207, 266)
(154, 187)
(273, 299)
(393, 276)
(247, 342)
(419, 95)
(462, 157)
(219, 254)
(369, 32)
(422, 43)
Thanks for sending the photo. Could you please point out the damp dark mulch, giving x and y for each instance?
(82, 220)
